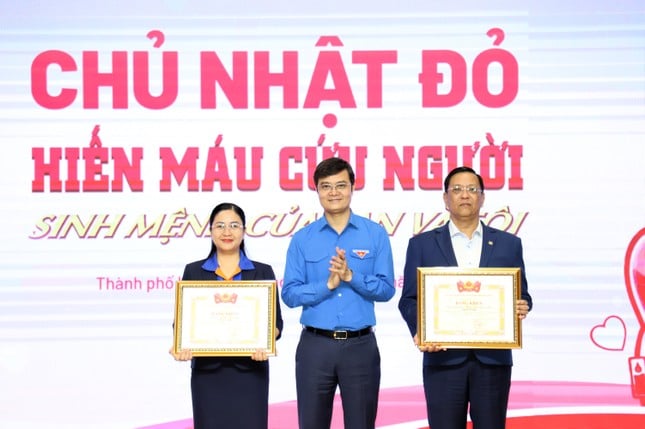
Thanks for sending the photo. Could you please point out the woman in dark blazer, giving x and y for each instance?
(229, 392)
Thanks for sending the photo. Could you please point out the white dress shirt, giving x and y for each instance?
(468, 251)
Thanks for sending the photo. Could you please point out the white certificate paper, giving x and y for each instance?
(469, 308)
(232, 318)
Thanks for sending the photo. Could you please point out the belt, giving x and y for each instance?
(339, 335)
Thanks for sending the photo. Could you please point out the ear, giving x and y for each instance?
(445, 200)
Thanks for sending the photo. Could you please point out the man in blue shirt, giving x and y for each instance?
(336, 268)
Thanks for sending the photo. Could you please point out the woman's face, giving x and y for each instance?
(227, 232)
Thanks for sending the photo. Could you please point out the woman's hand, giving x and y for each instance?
(183, 355)
(260, 355)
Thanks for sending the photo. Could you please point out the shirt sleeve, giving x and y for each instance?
(296, 291)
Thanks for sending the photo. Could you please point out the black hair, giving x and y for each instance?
(462, 169)
(332, 166)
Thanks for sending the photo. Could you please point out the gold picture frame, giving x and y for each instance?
(469, 307)
(225, 318)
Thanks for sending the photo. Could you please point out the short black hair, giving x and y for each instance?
(332, 166)
(462, 169)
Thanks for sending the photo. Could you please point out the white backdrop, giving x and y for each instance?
(564, 158)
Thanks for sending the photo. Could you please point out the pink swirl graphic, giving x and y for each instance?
(527, 405)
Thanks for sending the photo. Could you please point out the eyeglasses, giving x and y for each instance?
(458, 189)
(328, 187)
(233, 226)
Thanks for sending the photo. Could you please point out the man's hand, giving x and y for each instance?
(338, 270)
(522, 308)
(430, 348)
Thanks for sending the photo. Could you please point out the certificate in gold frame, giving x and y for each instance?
(225, 318)
(469, 307)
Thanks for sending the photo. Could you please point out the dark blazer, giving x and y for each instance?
(194, 271)
(434, 249)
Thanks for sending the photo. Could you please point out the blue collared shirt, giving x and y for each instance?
(351, 305)
(212, 265)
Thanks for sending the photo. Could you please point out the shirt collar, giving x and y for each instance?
(454, 231)
(211, 263)
(350, 222)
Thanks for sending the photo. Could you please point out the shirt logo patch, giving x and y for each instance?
(360, 253)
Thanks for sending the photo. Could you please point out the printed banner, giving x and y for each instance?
(125, 123)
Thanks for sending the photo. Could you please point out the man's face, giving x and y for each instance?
(335, 193)
(464, 198)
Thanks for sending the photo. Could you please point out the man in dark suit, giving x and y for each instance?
(456, 379)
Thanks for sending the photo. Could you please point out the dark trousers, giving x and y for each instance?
(449, 390)
(230, 397)
(354, 365)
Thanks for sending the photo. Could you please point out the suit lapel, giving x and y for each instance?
(488, 245)
(445, 245)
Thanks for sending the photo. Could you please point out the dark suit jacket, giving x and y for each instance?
(194, 271)
(434, 249)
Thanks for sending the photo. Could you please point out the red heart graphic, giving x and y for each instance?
(609, 334)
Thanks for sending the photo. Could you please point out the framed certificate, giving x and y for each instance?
(225, 318)
(469, 308)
